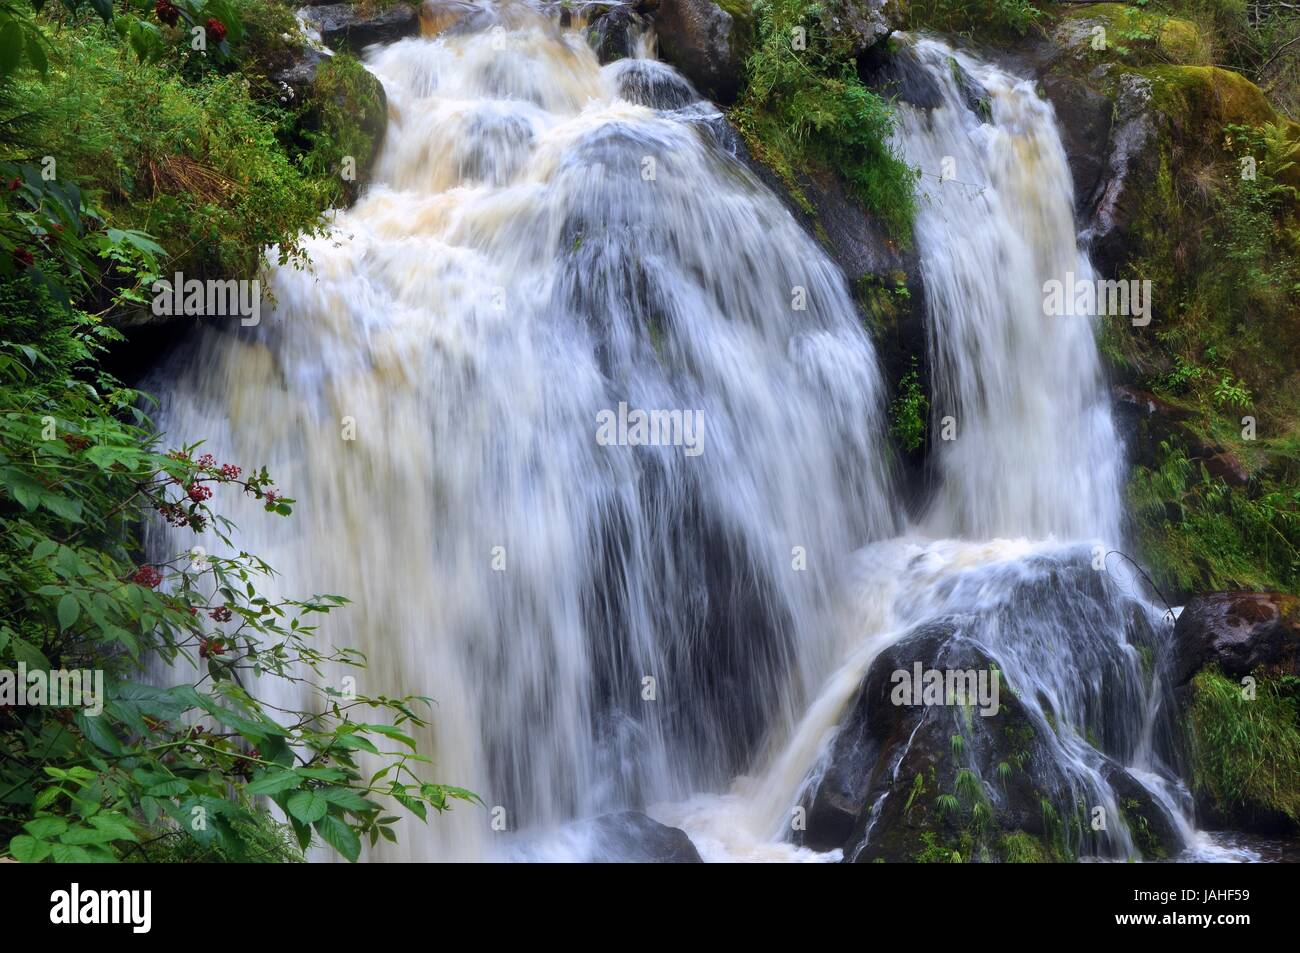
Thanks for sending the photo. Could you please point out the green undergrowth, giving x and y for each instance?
(201, 154)
(987, 19)
(1245, 752)
(1222, 252)
(806, 112)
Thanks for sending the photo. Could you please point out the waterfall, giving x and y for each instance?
(1036, 454)
(549, 248)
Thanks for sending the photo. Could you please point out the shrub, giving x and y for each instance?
(807, 109)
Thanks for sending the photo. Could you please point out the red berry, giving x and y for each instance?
(198, 492)
(147, 576)
(221, 614)
(166, 12)
(23, 257)
(216, 30)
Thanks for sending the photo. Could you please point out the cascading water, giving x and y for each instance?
(545, 241)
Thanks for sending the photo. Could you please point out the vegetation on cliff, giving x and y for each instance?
(804, 110)
(129, 152)
(1217, 233)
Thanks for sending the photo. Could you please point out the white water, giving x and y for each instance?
(538, 245)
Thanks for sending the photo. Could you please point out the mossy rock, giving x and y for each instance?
(1243, 739)
(1206, 98)
(344, 118)
(1132, 35)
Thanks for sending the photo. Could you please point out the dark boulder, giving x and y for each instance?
(613, 33)
(1240, 632)
(342, 26)
(1084, 119)
(706, 43)
(651, 83)
(631, 837)
(1130, 165)
(296, 79)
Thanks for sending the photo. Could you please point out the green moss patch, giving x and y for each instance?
(1245, 752)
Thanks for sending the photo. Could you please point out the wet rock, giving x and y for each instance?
(862, 23)
(1240, 632)
(454, 16)
(705, 42)
(296, 79)
(651, 83)
(1084, 118)
(1227, 466)
(901, 78)
(1151, 828)
(342, 26)
(892, 768)
(1130, 165)
(612, 33)
(633, 837)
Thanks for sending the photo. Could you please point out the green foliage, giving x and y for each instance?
(348, 106)
(806, 109)
(984, 18)
(1017, 847)
(79, 469)
(1245, 753)
(1200, 535)
(1225, 258)
(194, 162)
(910, 411)
(181, 151)
(1135, 818)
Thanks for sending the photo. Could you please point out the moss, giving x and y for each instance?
(1222, 252)
(1201, 98)
(1017, 847)
(1140, 826)
(1244, 752)
(809, 114)
(348, 113)
(1134, 35)
(992, 20)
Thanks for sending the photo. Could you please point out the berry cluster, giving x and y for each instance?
(147, 576)
(166, 12)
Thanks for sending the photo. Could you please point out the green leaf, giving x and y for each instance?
(11, 46)
(273, 782)
(114, 825)
(81, 836)
(308, 806)
(70, 854)
(100, 732)
(349, 799)
(339, 834)
(391, 732)
(69, 609)
(28, 850)
(43, 828)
